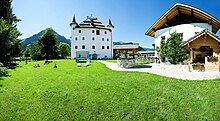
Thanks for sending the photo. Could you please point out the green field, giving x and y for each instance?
(98, 93)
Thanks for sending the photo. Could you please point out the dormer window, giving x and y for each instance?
(80, 31)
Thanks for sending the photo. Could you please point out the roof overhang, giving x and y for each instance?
(126, 46)
(203, 33)
(199, 16)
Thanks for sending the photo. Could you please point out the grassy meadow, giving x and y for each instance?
(98, 93)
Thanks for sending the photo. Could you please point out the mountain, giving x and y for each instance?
(35, 38)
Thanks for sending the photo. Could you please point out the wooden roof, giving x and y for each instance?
(204, 32)
(183, 14)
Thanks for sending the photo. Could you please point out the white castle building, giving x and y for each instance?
(91, 35)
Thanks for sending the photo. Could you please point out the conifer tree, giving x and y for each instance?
(9, 44)
(174, 51)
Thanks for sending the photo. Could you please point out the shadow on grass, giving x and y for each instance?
(1, 84)
(13, 66)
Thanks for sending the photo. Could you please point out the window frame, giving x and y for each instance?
(163, 38)
(97, 32)
(84, 47)
(93, 46)
(103, 47)
(76, 47)
(93, 38)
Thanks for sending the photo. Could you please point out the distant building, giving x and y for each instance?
(91, 35)
(147, 53)
(119, 48)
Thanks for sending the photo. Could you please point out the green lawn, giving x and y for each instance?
(98, 93)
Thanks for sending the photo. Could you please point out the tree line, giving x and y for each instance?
(10, 45)
(47, 48)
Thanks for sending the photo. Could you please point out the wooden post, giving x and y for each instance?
(118, 51)
(189, 59)
(133, 53)
(219, 61)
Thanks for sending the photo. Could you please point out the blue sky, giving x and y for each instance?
(131, 18)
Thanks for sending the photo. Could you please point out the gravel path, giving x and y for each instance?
(174, 71)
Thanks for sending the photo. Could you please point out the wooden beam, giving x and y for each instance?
(192, 13)
(178, 9)
(167, 21)
(210, 22)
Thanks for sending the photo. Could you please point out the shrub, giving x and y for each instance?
(212, 59)
(3, 71)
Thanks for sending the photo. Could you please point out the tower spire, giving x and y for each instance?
(74, 20)
(110, 24)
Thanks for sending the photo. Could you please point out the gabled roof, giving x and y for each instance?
(183, 14)
(204, 32)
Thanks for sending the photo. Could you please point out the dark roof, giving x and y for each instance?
(206, 31)
(110, 24)
(183, 14)
(91, 22)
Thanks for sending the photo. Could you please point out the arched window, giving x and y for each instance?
(93, 47)
(83, 47)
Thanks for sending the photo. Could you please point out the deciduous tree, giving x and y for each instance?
(64, 49)
(48, 43)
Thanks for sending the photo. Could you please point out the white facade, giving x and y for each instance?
(91, 35)
(187, 30)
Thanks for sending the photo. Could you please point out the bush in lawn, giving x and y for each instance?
(3, 71)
